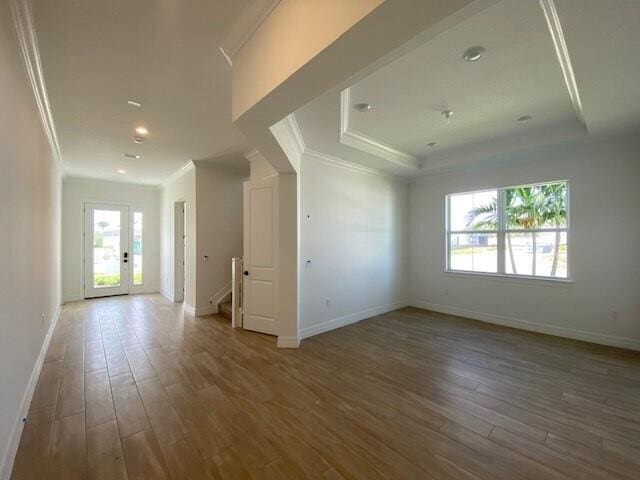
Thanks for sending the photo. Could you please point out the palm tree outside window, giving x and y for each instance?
(520, 230)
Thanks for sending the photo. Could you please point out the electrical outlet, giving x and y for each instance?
(613, 315)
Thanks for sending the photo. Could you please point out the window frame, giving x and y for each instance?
(502, 232)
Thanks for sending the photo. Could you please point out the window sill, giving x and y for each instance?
(522, 279)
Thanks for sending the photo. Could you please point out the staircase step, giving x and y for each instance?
(226, 310)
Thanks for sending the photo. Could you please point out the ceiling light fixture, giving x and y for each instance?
(133, 103)
(142, 130)
(473, 53)
(121, 171)
(525, 119)
(362, 107)
(447, 114)
(431, 144)
(138, 139)
(131, 155)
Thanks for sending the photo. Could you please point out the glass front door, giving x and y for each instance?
(106, 257)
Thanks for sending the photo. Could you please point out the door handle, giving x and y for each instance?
(246, 273)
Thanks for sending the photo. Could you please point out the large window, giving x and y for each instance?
(520, 231)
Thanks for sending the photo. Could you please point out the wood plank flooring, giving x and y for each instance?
(133, 388)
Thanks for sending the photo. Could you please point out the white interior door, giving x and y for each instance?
(260, 254)
(106, 250)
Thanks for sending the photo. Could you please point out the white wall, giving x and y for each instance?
(177, 189)
(30, 245)
(219, 229)
(604, 254)
(143, 198)
(353, 230)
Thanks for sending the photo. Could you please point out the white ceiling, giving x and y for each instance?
(519, 74)
(97, 54)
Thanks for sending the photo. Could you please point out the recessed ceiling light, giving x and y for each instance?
(362, 107)
(121, 171)
(142, 130)
(431, 144)
(525, 118)
(473, 53)
(133, 103)
(131, 155)
(138, 139)
(447, 114)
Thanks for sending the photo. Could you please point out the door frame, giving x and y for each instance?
(125, 247)
(179, 250)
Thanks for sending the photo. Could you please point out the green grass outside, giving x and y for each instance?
(101, 280)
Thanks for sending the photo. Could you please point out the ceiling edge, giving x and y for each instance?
(179, 173)
(339, 162)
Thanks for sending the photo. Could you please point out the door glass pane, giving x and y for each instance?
(474, 252)
(137, 248)
(106, 248)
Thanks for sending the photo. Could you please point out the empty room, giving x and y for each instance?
(320, 239)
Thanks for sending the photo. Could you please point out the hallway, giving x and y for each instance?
(133, 388)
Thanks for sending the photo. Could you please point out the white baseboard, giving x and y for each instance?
(288, 342)
(349, 319)
(14, 440)
(592, 337)
(167, 295)
(72, 297)
(189, 309)
(208, 310)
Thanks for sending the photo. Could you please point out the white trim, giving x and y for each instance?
(253, 153)
(189, 309)
(291, 123)
(250, 19)
(338, 162)
(14, 439)
(186, 168)
(562, 52)
(288, 342)
(25, 30)
(349, 319)
(592, 337)
(208, 310)
(288, 135)
(363, 142)
(166, 295)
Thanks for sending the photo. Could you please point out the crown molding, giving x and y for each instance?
(562, 53)
(338, 162)
(253, 154)
(28, 41)
(249, 20)
(363, 142)
(179, 173)
(287, 133)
